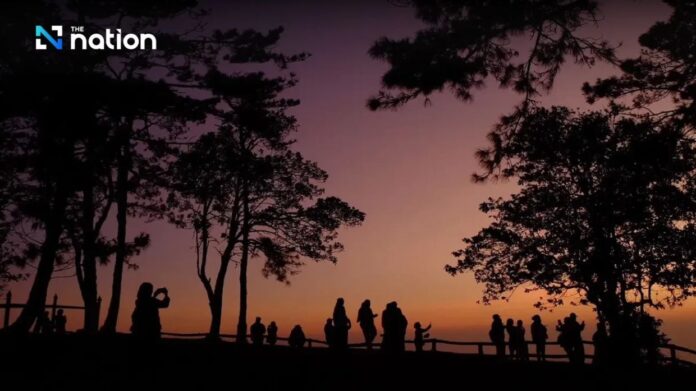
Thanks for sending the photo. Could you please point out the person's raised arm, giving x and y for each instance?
(163, 303)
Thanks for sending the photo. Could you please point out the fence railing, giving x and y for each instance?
(674, 352)
(676, 355)
(54, 306)
(309, 341)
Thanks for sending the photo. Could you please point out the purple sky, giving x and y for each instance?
(409, 170)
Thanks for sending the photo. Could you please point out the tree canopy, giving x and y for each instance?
(243, 190)
(518, 44)
(665, 71)
(96, 131)
(605, 208)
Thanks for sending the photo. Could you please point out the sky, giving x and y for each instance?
(409, 170)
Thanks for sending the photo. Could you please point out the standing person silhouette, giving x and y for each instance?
(388, 329)
(574, 331)
(539, 336)
(145, 318)
(257, 331)
(401, 325)
(272, 333)
(649, 338)
(59, 322)
(420, 334)
(394, 324)
(330, 333)
(366, 319)
(297, 337)
(563, 337)
(43, 324)
(513, 340)
(341, 325)
(497, 335)
(600, 340)
(522, 349)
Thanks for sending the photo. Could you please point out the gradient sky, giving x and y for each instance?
(409, 170)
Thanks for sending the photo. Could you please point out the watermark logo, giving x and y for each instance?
(78, 40)
(56, 41)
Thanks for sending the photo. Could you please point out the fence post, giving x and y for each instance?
(8, 305)
(480, 349)
(434, 345)
(673, 354)
(309, 343)
(54, 306)
(99, 300)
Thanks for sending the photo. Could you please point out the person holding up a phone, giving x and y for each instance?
(145, 318)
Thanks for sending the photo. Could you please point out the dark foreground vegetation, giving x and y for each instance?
(119, 363)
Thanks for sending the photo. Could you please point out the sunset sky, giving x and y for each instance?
(408, 170)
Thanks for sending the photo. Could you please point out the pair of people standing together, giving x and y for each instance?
(336, 328)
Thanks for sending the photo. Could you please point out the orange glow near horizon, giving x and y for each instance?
(409, 170)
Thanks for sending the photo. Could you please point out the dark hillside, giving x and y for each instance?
(81, 363)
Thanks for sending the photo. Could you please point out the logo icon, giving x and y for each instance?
(56, 41)
(76, 39)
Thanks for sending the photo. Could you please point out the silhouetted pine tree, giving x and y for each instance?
(605, 210)
(244, 191)
(664, 72)
(464, 43)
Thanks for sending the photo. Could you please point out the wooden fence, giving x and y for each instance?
(8, 305)
(676, 355)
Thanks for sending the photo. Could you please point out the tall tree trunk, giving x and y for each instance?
(214, 298)
(124, 164)
(37, 296)
(243, 264)
(216, 302)
(88, 287)
(242, 321)
(609, 304)
(623, 345)
(215, 317)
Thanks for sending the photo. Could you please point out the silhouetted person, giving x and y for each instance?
(388, 334)
(420, 334)
(297, 337)
(394, 325)
(513, 340)
(600, 340)
(497, 335)
(649, 338)
(366, 319)
(561, 327)
(341, 325)
(43, 324)
(402, 324)
(59, 322)
(145, 317)
(330, 333)
(624, 342)
(574, 335)
(272, 333)
(257, 331)
(522, 348)
(539, 336)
